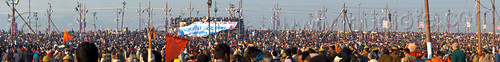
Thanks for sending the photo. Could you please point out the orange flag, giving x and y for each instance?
(174, 47)
(66, 36)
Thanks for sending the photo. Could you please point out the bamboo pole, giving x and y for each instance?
(478, 25)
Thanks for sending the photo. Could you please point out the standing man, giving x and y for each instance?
(458, 56)
(497, 57)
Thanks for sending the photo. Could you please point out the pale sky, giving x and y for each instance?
(254, 10)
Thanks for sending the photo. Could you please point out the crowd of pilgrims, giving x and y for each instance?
(249, 46)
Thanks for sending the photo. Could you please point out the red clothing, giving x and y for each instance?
(50, 55)
(417, 55)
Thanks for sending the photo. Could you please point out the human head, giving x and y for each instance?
(87, 52)
(221, 51)
(406, 51)
(454, 46)
(251, 53)
(46, 59)
(202, 58)
(372, 55)
(288, 52)
(66, 59)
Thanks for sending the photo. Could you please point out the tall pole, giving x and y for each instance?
(374, 20)
(13, 21)
(139, 11)
(79, 20)
(149, 15)
(359, 11)
(241, 17)
(427, 26)
(29, 12)
(427, 23)
(494, 28)
(310, 21)
(190, 9)
(117, 19)
(166, 15)
(49, 14)
(123, 14)
(448, 26)
(324, 17)
(84, 18)
(478, 25)
(274, 17)
(93, 17)
(215, 16)
(208, 16)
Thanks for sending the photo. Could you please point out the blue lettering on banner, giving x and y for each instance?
(201, 29)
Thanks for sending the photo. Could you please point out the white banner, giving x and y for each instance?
(199, 29)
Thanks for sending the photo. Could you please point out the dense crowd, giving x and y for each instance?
(249, 46)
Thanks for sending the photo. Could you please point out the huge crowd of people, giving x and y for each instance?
(250, 46)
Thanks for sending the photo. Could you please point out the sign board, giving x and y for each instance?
(498, 27)
(421, 25)
(385, 24)
(484, 26)
(199, 29)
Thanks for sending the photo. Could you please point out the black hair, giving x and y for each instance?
(320, 58)
(251, 52)
(407, 50)
(305, 55)
(157, 56)
(288, 52)
(203, 58)
(294, 50)
(221, 50)
(386, 51)
(274, 53)
(87, 52)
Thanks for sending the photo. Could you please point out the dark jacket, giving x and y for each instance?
(458, 56)
(385, 58)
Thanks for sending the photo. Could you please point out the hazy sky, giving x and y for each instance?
(254, 10)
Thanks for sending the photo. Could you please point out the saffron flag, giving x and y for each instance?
(66, 36)
(174, 47)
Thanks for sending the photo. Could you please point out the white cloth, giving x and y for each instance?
(337, 59)
(373, 60)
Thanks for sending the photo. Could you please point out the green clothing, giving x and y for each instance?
(395, 57)
(458, 56)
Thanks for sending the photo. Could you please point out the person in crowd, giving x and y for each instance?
(67, 59)
(497, 56)
(385, 57)
(408, 57)
(458, 55)
(203, 58)
(86, 52)
(394, 55)
(288, 56)
(253, 54)
(47, 59)
(373, 57)
(221, 53)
